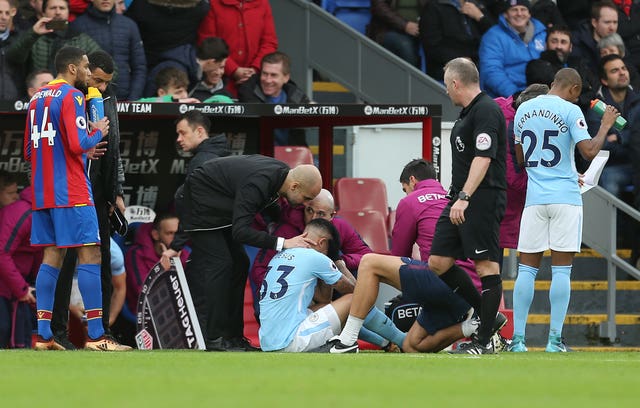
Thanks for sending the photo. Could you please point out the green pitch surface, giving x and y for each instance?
(199, 379)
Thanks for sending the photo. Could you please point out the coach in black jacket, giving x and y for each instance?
(217, 206)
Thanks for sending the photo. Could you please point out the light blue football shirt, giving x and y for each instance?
(548, 127)
(287, 291)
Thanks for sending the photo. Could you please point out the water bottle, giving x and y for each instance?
(598, 107)
(95, 104)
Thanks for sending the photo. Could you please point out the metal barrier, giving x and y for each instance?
(600, 233)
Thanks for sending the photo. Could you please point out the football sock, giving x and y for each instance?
(523, 292)
(371, 337)
(45, 290)
(460, 282)
(350, 331)
(491, 297)
(90, 287)
(559, 295)
(379, 323)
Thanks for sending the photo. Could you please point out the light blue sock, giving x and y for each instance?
(45, 291)
(559, 295)
(523, 292)
(379, 323)
(90, 287)
(371, 337)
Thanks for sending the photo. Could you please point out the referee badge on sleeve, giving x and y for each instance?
(483, 141)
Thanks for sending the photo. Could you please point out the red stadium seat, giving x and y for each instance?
(361, 194)
(293, 155)
(372, 227)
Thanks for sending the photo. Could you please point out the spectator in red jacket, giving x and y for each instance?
(19, 262)
(151, 240)
(248, 28)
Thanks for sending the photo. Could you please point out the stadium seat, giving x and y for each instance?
(354, 13)
(372, 227)
(293, 155)
(361, 194)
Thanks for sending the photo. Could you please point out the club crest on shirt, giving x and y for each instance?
(79, 100)
(483, 141)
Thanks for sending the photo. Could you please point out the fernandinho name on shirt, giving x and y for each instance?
(546, 114)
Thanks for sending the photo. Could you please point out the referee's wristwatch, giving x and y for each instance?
(463, 196)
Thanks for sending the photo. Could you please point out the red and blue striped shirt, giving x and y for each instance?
(56, 140)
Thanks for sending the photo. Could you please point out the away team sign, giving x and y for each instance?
(166, 315)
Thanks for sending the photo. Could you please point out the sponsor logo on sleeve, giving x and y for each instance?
(483, 141)
(78, 99)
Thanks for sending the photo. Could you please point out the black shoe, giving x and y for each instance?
(473, 347)
(63, 340)
(242, 344)
(218, 344)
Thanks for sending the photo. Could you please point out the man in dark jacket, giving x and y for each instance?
(11, 75)
(217, 206)
(193, 136)
(274, 85)
(604, 21)
(119, 36)
(107, 176)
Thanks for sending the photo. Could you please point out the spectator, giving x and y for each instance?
(27, 15)
(107, 178)
(193, 136)
(151, 239)
(604, 22)
(506, 49)
(292, 223)
(613, 44)
(547, 12)
(249, 30)
(8, 188)
(274, 85)
(615, 91)
(217, 206)
(121, 6)
(11, 74)
(629, 29)
(19, 262)
(557, 56)
(119, 36)
(394, 25)
(301, 317)
(418, 212)
(33, 48)
(451, 29)
(171, 86)
(36, 80)
(211, 54)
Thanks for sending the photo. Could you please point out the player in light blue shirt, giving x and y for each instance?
(296, 313)
(547, 129)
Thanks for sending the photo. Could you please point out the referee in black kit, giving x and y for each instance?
(469, 226)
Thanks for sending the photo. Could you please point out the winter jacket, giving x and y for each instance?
(619, 151)
(629, 30)
(251, 92)
(504, 56)
(211, 148)
(585, 47)
(119, 36)
(392, 15)
(248, 28)
(139, 260)
(35, 51)
(416, 218)
(516, 182)
(19, 261)
(11, 75)
(202, 91)
(229, 192)
(164, 27)
(446, 34)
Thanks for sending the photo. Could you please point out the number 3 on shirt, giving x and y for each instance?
(46, 131)
(546, 145)
(284, 285)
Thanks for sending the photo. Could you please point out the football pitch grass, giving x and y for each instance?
(184, 379)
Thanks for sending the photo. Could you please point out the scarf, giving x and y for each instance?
(625, 5)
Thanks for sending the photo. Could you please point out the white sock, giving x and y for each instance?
(351, 329)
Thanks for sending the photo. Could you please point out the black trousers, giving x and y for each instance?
(60, 317)
(217, 274)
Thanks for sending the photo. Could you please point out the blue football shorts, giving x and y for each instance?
(65, 227)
